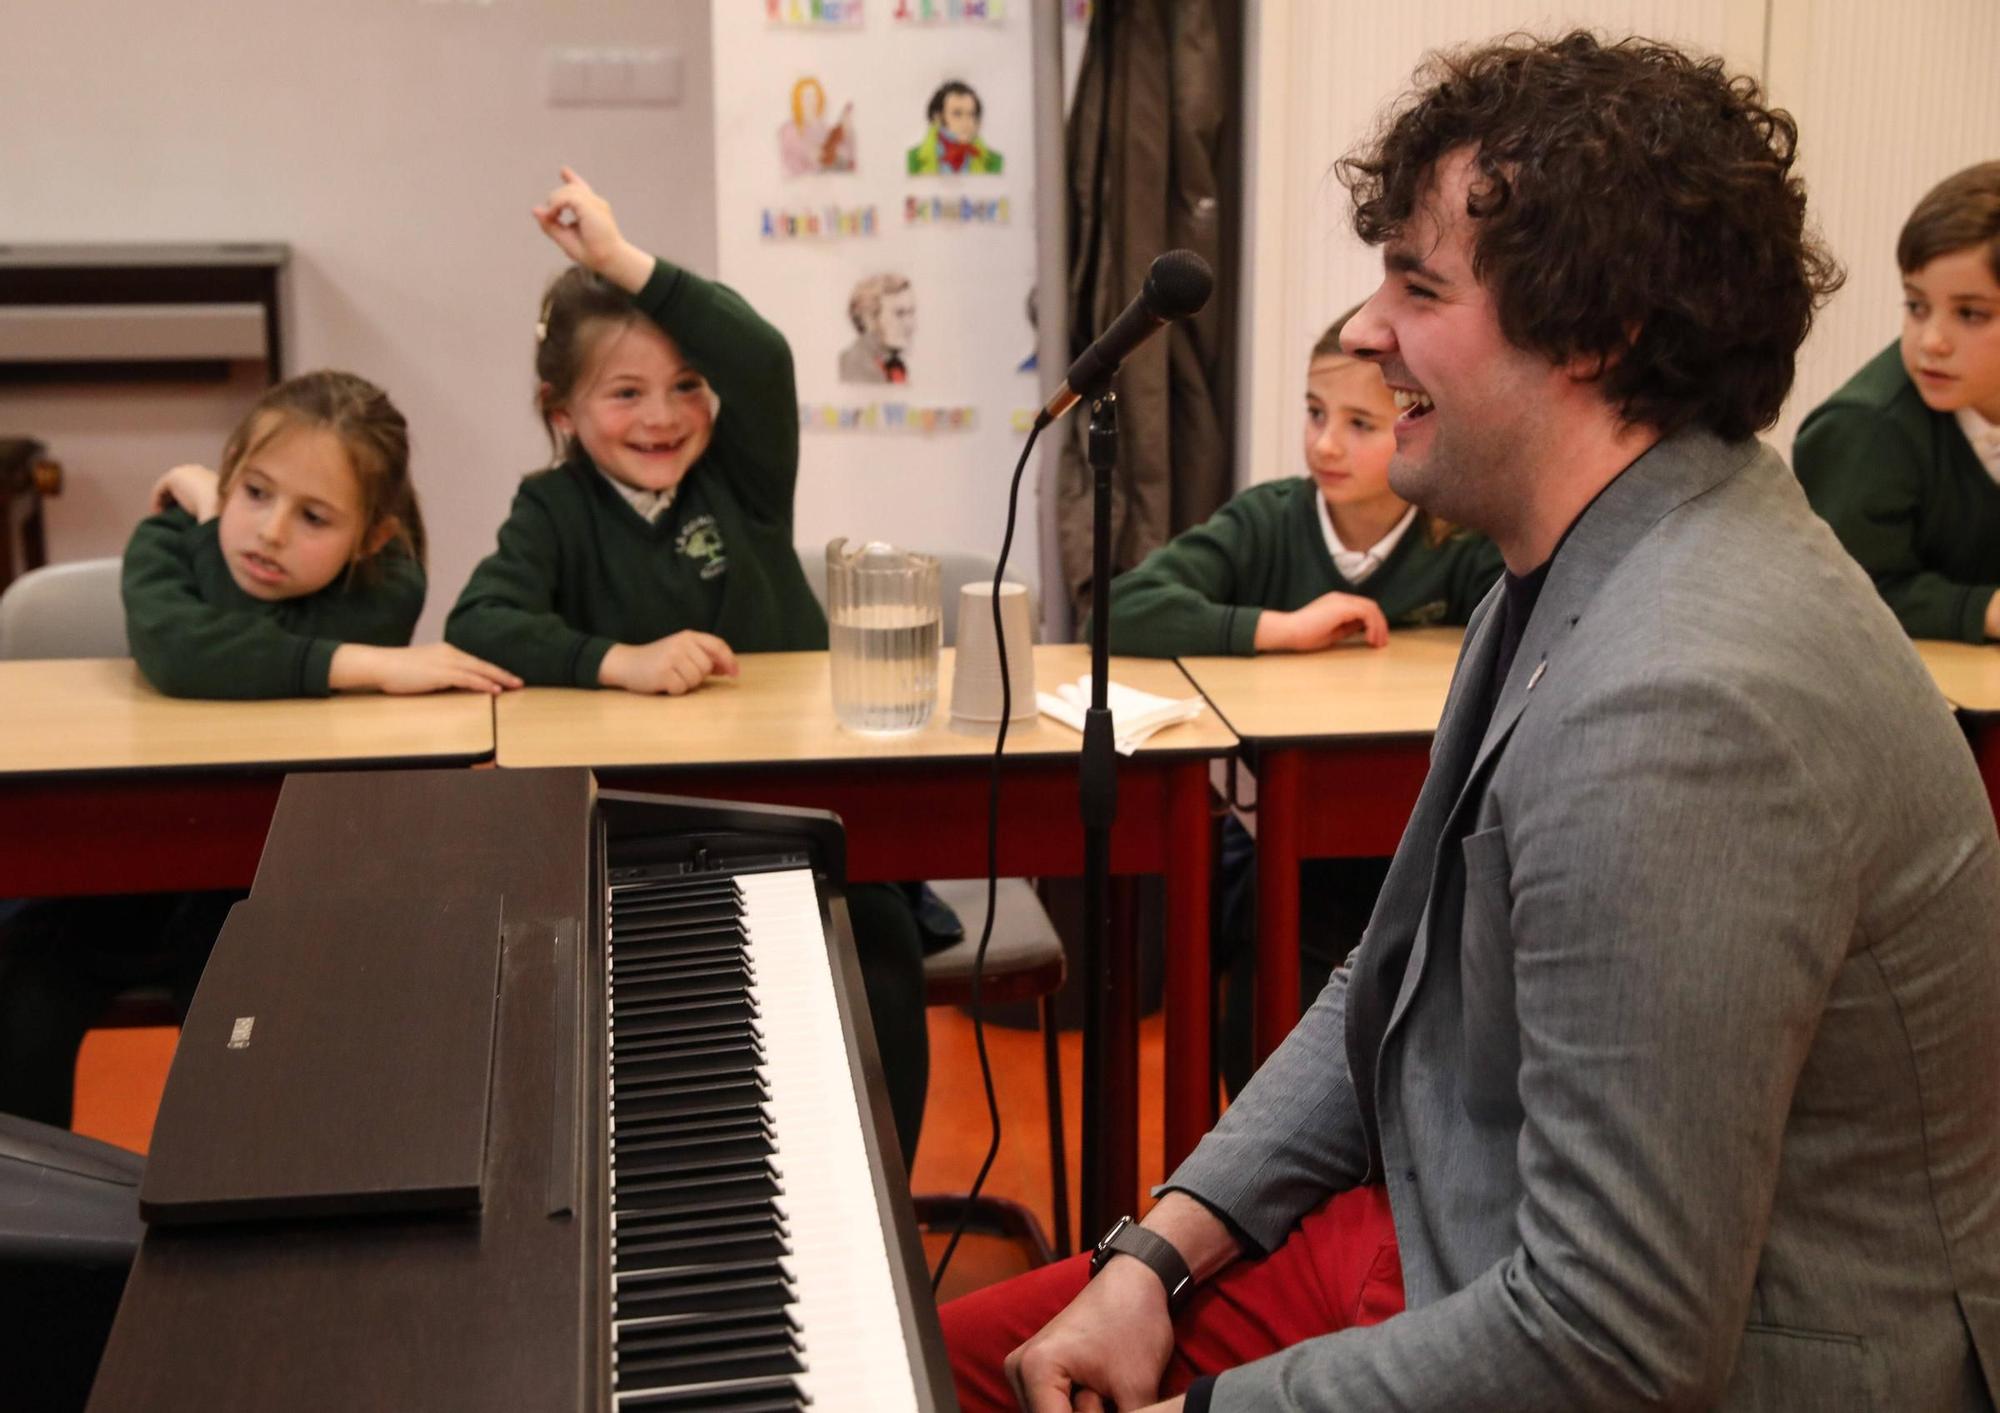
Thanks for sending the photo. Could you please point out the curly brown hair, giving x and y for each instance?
(1633, 205)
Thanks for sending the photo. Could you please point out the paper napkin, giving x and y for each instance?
(1135, 715)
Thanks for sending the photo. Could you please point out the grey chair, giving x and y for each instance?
(64, 610)
(76, 610)
(1024, 962)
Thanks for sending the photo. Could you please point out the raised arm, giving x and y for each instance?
(1185, 598)
(745, 360)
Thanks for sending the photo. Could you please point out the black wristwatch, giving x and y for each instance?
(1128, 1238)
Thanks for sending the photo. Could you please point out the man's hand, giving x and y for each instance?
(674, 665)
(1110, 1345)
(580, 221)
(1328, 619)
(192, 488)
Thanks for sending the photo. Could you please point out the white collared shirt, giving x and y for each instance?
(1356, 565)
(1985, 439)
(651, 505)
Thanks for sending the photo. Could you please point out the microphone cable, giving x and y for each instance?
(992, 872)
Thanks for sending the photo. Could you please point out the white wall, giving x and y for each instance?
(1890, 98)
(397, 145)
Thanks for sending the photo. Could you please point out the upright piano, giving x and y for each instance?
(502, 1092)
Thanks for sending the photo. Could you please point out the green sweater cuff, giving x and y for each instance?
(1972, 614)
(590, 658)
(1240, 630)
(317, 669)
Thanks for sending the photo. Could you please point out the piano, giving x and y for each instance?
(504, 1092)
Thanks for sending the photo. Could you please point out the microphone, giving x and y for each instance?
(1177, 285)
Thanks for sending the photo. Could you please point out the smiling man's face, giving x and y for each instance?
(1469, 401)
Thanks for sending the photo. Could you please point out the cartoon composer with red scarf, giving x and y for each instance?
(952, 144)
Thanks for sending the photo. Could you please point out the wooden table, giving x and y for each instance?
(108, 787)
(1349, 730)
(915, 807)
(1968, 674)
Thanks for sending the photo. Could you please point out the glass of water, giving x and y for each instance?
(884, 619)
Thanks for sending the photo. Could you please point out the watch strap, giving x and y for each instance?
(1128, 1238)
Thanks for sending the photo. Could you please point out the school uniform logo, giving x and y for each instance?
(701, 540)
(1427, 615)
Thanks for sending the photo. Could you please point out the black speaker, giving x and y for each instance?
(69, 1228)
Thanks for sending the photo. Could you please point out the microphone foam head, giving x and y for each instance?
(1178, 284)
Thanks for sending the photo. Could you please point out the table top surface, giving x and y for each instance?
(780, 712)
(98, 715)
(1346, 692)
(1967, 673)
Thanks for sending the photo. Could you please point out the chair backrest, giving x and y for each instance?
(64, 610)
(956, 569)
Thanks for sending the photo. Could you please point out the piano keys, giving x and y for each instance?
(691, 1196)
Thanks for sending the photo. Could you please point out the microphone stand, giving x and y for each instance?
(1110, 1034)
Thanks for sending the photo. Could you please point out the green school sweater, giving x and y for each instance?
(1908, 497)
(195, 634)
(1203, 592)
(578, 569)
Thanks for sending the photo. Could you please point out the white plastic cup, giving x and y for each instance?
(975, 673)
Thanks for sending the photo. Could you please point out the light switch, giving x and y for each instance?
(614, 78)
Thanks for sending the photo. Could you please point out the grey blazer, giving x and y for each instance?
(1676, 1032)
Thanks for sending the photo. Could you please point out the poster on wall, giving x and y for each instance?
(874, 200)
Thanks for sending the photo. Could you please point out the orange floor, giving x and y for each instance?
(120, 1074)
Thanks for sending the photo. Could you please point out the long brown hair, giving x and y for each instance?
(368, 427)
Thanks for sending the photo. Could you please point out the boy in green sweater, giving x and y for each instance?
(1299, 565)
(660, 544)
(1904, 460)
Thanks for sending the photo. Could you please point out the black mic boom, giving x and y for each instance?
(1177, 285)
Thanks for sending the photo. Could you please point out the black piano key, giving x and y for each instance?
(714, 1102)
(680, 1195)
(691, 986)
(738, 1363)
(757, 1330)
(716, 1247)
(639, 1130)
(674, 1037)
(750, 1291)
(719, 959)
(752, 1396)
(712, 1161)
(751, 1215)
(669, 1072)
(673, 1012)
(645, 1183)
(749, 1143)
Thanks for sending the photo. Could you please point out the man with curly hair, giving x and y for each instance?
(1666, 1074)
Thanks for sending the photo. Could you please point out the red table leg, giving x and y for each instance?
(1985, 732)
(1277, 899)
(1190, 1098)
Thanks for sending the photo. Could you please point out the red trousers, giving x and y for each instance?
(1338, 1269)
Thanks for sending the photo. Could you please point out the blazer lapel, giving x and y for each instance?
(1672, 472)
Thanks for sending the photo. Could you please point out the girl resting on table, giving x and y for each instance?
(298, 569)
(659, 544)
(1298, 565)
(294, 572)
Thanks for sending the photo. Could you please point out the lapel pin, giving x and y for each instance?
(1540, 668)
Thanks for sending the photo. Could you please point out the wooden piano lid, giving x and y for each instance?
(336, 1061)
